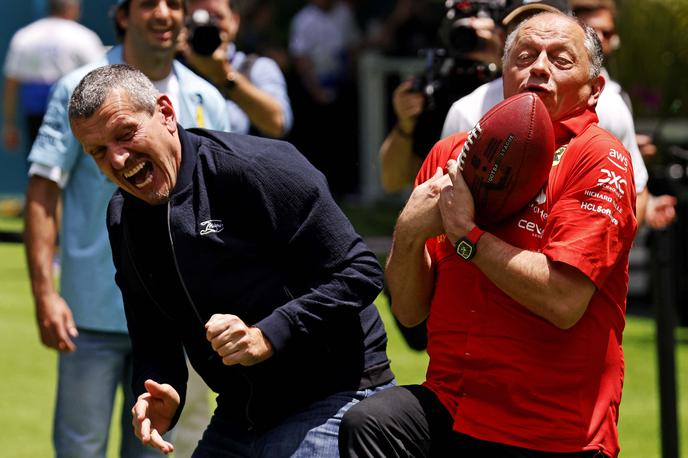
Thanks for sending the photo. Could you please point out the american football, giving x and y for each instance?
(507, 157)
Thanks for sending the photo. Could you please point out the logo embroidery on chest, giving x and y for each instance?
(212, 226)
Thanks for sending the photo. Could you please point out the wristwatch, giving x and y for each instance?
(466, 247)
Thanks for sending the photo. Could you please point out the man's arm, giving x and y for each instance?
(10, 132)
(263, 110)
(409, 272)
(53, 315)
(398, 163)
(552, 290)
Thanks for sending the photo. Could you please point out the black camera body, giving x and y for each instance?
(204, 34)
(448, 75)
(456, 32)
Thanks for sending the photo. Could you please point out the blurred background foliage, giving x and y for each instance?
(652, 62)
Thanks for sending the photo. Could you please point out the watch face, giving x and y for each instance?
(464, 249)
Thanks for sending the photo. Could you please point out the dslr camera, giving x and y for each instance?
(456, 32)
(204, 34)
(446, 69)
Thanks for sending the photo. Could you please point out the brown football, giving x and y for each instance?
(507, 157)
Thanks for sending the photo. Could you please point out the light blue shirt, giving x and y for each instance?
(87, 278)
(266, 75)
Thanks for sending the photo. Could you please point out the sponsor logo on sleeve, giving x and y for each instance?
(618, 159)
(611, 180)
(597, 208)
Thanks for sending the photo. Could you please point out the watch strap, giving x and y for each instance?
(466, 247)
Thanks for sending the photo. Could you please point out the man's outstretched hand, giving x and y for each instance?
(152, 414)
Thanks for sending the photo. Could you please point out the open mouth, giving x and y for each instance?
(140, 175)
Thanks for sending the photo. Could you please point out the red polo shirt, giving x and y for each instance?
(506, 374)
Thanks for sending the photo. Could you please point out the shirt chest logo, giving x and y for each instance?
(212, 226)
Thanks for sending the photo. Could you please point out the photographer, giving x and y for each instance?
(254, 86)
(469, 59)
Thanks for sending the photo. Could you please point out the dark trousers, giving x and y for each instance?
(409, 421)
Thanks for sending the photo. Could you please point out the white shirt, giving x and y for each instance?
(48, 48)
(612, 112)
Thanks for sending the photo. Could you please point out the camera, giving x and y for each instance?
(204, 34)
(456, 32)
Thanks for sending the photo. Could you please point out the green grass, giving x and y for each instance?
(27, 385)
(10, 224)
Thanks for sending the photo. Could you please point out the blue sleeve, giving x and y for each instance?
(267, 76)
(55, 145)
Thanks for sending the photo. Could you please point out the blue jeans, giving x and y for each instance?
(87, 383)
(311, 432)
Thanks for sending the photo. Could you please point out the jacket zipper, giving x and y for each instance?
(179, 273)
(198, 315)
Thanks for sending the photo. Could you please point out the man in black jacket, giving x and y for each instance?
(231, 248)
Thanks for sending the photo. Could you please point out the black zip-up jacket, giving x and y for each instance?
(250, 230)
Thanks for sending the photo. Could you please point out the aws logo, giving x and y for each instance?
(618, 159)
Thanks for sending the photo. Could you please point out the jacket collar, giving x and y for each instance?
(190, 146)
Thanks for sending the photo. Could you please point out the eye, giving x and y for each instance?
(126, 135)
(562, 62)
(525, 58)
(97, 153)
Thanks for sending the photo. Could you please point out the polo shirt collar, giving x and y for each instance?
(567, 128)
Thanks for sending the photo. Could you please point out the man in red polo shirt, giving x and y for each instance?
(524, 334)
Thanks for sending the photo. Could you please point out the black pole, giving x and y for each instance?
(665, 267)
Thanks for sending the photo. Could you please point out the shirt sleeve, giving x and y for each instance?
(593, 222)
(267, 76)
(332, 272)
(55, 146)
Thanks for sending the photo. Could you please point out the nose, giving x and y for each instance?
(540, 66)
(162, 10)
(118, 157)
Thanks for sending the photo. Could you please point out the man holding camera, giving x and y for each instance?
(85, 321)
(254, 87)
(472, 44)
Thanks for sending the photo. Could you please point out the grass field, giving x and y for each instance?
(27, 385)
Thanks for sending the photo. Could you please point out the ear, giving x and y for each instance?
(596, 86)
(164, 105)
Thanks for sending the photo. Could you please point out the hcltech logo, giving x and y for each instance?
(212, 226)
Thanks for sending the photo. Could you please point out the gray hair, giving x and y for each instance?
(592, 43)
(94, 88)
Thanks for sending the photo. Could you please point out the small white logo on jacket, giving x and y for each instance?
(212, 226)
